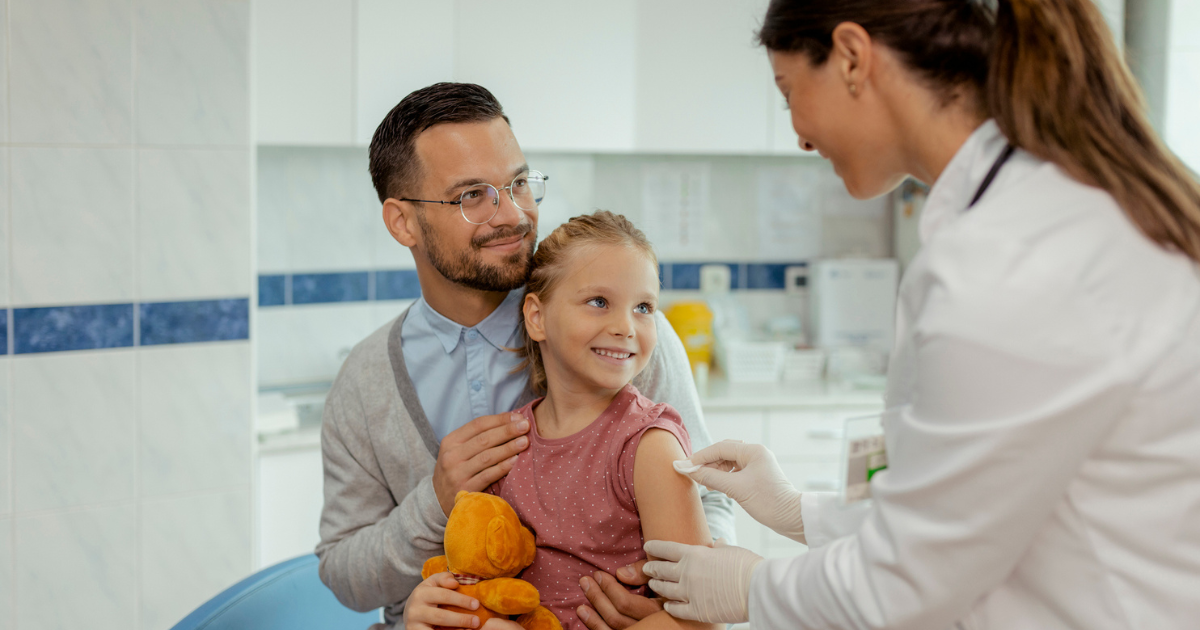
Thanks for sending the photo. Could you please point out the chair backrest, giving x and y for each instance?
(286, 596)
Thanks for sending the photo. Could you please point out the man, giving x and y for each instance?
(420, 408)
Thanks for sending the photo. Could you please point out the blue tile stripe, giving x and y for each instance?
(402, 284)
(341, 286)
(101, 326)
(194, 322)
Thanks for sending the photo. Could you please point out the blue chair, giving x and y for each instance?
(287, 596)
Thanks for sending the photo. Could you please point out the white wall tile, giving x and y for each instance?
(71, 71)
(193, 71)
(77, 569)
(193, 223)
(194, 417)
(6, 574)
(304, 71)
(74, 430)
(389, 64)
(386, 252)
(1182, 125)
(308, 343)
(6, 480)
(72, 225)
(4, 188)
(332, 212)
(564, 86)
(385, 311)
(192, 548)
(4, 75)
(570, 190)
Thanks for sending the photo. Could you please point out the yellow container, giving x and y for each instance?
(692, 321)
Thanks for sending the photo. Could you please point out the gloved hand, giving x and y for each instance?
(749, 474)
(708, 584)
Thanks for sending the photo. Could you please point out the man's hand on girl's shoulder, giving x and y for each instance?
(477, 454)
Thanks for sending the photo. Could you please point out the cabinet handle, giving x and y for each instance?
(825, 434)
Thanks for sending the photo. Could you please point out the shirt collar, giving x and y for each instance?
(497, 328)
(952, 191)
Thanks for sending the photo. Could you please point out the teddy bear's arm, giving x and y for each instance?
(436, 564)
(507, 596)
(539, 618)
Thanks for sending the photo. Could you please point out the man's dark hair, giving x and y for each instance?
(394, 164)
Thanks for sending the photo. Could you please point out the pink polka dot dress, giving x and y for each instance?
(576, 495)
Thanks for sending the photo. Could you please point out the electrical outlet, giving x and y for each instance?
(715, 278)
(795, 279)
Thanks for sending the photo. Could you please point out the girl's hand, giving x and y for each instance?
(422, 612)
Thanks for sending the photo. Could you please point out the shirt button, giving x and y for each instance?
(472, 334)
(476, 386)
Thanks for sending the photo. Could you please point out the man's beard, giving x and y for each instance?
(467, 267)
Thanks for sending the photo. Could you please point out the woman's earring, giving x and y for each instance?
(853, 89)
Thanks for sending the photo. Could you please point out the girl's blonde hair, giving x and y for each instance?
(599, 228)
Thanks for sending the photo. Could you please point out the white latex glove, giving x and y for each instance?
(749, 474)
(708, 584)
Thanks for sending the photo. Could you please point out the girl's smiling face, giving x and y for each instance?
(596, 329)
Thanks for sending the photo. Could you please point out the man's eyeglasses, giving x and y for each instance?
(481, 202)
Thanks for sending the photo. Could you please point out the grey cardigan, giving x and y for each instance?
(382, 519)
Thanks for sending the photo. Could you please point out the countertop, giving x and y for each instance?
(719, 395)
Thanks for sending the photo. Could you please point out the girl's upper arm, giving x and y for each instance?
(668, 503)
(669, 506)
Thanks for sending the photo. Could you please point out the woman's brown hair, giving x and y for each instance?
(1048, 72)
(599, 228)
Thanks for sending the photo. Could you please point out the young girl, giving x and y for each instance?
(596, 480)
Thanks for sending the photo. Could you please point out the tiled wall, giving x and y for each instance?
(330, 272)
(126, 277)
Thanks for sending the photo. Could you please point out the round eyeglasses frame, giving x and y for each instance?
(495, 198)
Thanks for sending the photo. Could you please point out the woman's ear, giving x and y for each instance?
(401, 220)
(852, 53)
(534, 317)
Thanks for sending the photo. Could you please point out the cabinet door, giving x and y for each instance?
(564, 71)
(290, 498)
(402, 45)
(304, 54)
(701, 78)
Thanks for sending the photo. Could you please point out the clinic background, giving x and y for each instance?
(190, 245)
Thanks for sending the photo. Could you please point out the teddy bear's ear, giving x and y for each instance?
(458, 497)
(503, 544)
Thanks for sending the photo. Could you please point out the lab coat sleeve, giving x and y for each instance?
(667, 378)
(1016, 384)
(826, 519)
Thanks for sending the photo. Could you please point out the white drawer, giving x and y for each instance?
(802, 435)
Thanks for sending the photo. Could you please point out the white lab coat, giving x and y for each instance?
(1043, 427)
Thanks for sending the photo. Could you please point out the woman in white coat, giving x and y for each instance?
(1043, 399)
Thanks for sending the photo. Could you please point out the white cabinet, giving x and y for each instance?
(303, 75)
(668, 76)
(290, 495)
(402, 45)
(564, 71)
(702, 81)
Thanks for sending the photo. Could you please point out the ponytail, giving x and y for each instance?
(1058, 89)
(1050, 74)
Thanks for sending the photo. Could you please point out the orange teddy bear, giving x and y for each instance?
(486, 545)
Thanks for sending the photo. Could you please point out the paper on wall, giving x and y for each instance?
(789, 213)
(674, 202)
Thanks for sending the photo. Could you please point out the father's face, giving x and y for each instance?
(493, 256)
